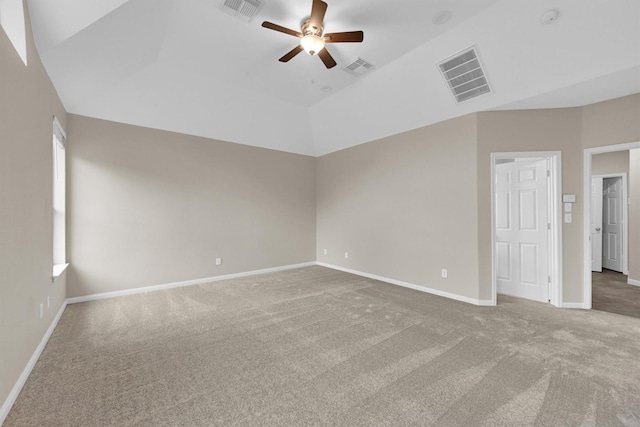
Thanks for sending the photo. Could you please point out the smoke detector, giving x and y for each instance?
(550, 16)
(442, 17)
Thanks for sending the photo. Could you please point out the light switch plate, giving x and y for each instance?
(567, 207)
(567, 218)
(569, 198)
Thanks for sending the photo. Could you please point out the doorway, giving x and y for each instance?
(526, 232)
(609, 224)
(589, 221)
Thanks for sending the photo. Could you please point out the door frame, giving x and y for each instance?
(586, 214)
(624, 219)
(599, 187)
(555, 219)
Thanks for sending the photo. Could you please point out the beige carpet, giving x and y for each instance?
(314, 346)
(610, 292)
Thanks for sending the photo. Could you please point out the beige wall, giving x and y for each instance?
(28, 103)
(533, 130)
(569, 131)
(634, 215)
(149, 207)
(404, 207)
(611, 122)
(615, 122)
(608, 163)
(369, 196)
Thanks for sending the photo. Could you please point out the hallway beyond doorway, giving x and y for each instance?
(613, 294)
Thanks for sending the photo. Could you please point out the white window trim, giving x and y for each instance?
(60, 136)
(58, 269)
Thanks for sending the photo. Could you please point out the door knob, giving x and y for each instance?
(598, 229)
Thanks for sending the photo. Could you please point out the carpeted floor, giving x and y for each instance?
(314, 346)
(610, 292)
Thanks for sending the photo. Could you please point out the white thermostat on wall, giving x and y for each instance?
(568, 198)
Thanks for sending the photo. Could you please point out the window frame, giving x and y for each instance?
(58, 200)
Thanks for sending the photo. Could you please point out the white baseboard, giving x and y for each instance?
(184, 283)
(411, 285)
(573, 305)
(633, 282)
(15, 391)
(484, 302)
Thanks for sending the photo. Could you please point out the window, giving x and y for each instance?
(59, 200)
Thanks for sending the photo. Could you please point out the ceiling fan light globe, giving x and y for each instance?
(312, 44)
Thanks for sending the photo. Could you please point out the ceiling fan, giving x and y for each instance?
(313, 38)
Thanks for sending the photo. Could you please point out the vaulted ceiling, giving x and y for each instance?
(186, 66)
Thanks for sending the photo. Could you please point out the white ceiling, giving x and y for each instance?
(186, 66)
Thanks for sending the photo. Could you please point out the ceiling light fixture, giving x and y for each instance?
(312, 44)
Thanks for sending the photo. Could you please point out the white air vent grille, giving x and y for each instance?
(464, 75)
(358, 67)
(244, 10)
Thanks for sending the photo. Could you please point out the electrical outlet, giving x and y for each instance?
(346, 254)
(444, 273)
(48, 303)
(325, 251)
(41, 310)
(218, 261)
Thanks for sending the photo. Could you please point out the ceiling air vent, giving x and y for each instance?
(244, 10)
(464, 75)
(358, 67)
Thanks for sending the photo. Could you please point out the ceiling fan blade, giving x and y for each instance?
(344, 37)
(318, 9)
(276, 27)
(296, 50)
(326, 57)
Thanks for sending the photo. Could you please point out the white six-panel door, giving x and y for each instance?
(596, 224)
(611, 224)
(521, 229)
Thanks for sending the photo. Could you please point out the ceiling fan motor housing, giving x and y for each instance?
(312, 40)
(308, 29)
